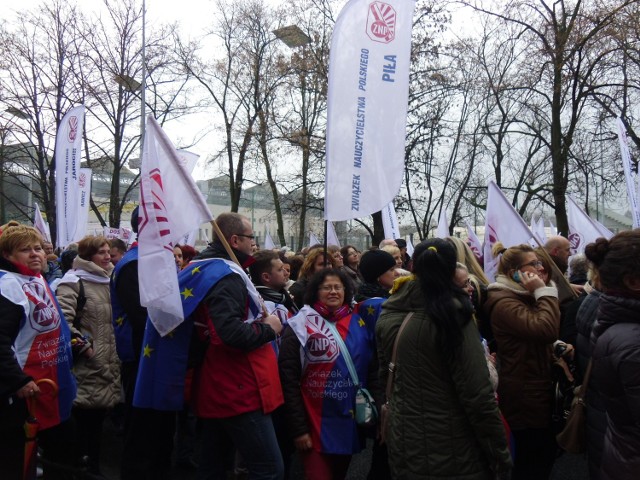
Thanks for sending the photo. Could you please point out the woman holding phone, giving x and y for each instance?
(525, 317)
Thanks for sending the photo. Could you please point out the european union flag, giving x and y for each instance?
(163, 360)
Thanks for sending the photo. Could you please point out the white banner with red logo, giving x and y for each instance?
(632, 177)
(40, 225)
(170, 206)
(503, 224)
(390, 222)
(582, 228)
(474, 242)
(123, 233)
(68, 152)
(84, 195)
(367, 106)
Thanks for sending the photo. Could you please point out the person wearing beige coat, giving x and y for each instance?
(96, 367)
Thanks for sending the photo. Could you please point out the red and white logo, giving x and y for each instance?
(381, 22)
(73, 128)
(44, 314)
(321, 346)
(575, 239)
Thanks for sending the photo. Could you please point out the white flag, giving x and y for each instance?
(313, 240)
(84, 195)
(502, 223)
(40, 225)
(409, 245)
(268, 242)
(552, 227)
(68, 152)
(582, 228)
(332, 238)
(443, 225)
(390, 221)
(632, 178)
(367, 106)
(537, 228)
(170, 206)
(474, 242)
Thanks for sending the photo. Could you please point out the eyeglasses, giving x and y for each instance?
(329, 288)
(251, 237)
(534, 264)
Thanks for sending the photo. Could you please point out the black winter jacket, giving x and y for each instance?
(616, 369)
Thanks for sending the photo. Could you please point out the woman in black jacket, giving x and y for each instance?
(616, 353)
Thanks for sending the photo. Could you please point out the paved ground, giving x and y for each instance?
(567, 467)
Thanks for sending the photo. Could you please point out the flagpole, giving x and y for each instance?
(326, 255)
(143, 86)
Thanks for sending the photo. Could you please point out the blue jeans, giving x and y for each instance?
(253, 436)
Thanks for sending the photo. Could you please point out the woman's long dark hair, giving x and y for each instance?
(434, 263)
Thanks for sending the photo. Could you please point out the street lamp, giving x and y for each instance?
(292, 36)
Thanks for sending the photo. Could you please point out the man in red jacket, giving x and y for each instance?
(236, 387)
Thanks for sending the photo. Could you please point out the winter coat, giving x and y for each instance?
(616, 370)
(525, 325)
(596, 410)
(444, 419)
(99, 376)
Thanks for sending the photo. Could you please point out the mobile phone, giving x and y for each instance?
(516, 277)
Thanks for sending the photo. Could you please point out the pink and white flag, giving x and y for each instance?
(502, 223)
(632, 178)
(68, 152)
(165, 188)
(367, 102)
(582, 228)
(442, 231)
(390, 221)
(332, 237)
(474, 242)
(40, 225)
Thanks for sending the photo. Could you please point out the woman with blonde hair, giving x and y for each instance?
(525, 318)
(85, 299)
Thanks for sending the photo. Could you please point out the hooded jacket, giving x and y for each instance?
(444, 419)
(99, 376)
(616, 370)
(525, 325)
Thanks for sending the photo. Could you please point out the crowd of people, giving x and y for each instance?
(285, 351)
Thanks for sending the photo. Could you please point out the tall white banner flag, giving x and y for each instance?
(442, 231)
(165, 188)
(84, 195)
(502, 223)
(390, 222)
(537, 228)
(268, 242)
(68, 152)
(632, 178)
(582, 228)
(40, 225)
(367, 106)
(332, 237)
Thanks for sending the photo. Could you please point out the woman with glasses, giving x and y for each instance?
(525, 318)
(318, 387)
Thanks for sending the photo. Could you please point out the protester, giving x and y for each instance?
(335, 252)
(616, 351)
(188, 254)
(52, 269)
(444, 420)
(387, 242)
(117, 251)
(314, 262)
(32, 327)
(377, 268)
(236, 387)
(559, 250)
(320, 398)
(525, 318)
(148, 434)
(395, 253)
(406, 258)
(84, 297)
(351, 257)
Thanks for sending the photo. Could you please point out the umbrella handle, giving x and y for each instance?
(31, 401)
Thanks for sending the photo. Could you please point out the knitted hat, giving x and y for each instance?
(401, 242)
(374, 263)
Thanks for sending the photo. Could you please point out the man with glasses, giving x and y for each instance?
(236, 384)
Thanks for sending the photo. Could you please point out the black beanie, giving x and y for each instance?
(374, 263)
